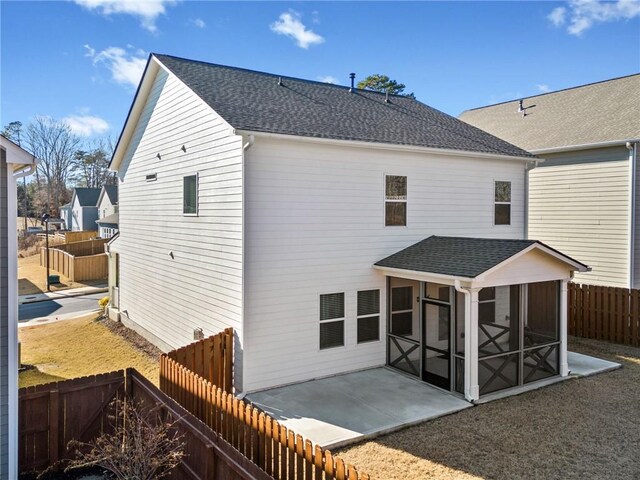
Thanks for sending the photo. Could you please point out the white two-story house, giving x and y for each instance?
(107, 211)
(334, 229)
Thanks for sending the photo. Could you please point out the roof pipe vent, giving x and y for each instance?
(352, 76)
(386, 97)
(279, 80)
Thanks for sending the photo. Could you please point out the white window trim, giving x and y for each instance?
(384, 201)
(329, 320)
(510, 203)
(197, 175)
(379, 315)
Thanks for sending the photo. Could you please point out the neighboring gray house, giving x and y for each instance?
(108, 211)
(84, 210)
(15, 163)
(334, 230)
(584, 198)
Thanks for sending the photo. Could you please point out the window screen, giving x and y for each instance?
(395, 201)
(331, 320)
(502, 205)
(190, 195)
(402, 311)
(368, 316)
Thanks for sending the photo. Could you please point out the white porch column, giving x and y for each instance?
(471, 387)
(564, 365)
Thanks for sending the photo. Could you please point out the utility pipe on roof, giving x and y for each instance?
(632, 147)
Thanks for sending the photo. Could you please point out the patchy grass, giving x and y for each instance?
(32, 278)
(585, 428)
(80, 347)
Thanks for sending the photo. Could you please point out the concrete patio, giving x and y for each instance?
(344, 409)
(339, 410)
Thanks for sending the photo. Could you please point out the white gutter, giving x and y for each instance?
(26, 171)
(583, 146)
(385, 146)
(632, 147)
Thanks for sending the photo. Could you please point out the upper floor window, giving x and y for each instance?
(395, 204)
(502, 203)
(190, 195)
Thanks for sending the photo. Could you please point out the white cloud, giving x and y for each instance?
(558, 16)
(126, 68)
(198, 22)
(328, 79)
(147, 10)
(543, 88)
(584, 14)
(289, 24)
(86, 125)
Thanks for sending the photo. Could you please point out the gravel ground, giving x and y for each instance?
(585, 428)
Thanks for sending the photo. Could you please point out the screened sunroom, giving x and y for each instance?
(477, 316)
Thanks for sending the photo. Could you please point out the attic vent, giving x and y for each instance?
(152, 177)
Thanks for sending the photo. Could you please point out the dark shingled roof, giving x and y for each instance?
(455, 256)
(112, 193)
(87, 197)
(253, 101)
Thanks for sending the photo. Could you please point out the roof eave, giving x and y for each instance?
(386, 146)
(584, 146)
(418, 274)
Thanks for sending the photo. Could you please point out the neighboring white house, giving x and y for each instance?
(583, 199)
(334, 229)
(15, 163)
(108, 211)
(84, 211)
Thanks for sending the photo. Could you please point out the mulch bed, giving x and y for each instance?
(131, 336)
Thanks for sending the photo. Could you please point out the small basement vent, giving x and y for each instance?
(152, 177)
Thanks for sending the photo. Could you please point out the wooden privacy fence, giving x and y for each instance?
(53, 414)
(76, 269)
(278, 451)
(84, 247)
(79, 236)
(210, 358)
(604, 313)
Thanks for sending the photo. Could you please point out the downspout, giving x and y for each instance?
(632, 147)
(530, 166)
(250, 141)
(467, 339)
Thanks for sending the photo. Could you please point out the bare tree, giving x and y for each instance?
(91, 167)
(142, 446)
(53, 143)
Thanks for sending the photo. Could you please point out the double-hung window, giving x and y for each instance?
(331, 320)
(502, 203)
(395, 201)
(368, 316)
(190, 195)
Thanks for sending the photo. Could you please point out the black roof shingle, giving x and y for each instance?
(456, 256)
(255, 101)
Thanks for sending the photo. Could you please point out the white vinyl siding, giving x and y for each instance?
(314, 225)
(179, 273)
(578, 204)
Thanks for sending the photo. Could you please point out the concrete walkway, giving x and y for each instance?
(339, 410)
(72, 292)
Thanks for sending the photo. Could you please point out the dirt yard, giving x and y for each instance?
(32, 278)
(585, 428)
(84, 346)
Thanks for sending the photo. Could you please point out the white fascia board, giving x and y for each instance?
(583, 146)
(535, 246)
(139, 101)
(386, 146)
(422, 276)
(16, 155)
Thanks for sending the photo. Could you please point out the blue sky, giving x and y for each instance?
(81, 60)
